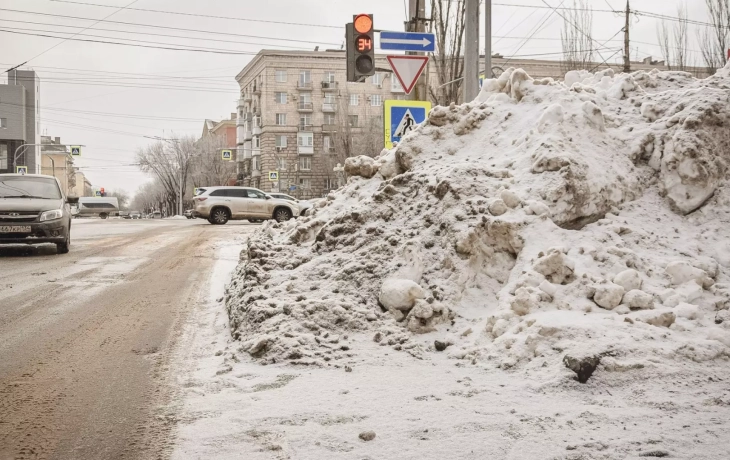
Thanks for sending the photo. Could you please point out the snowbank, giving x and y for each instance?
(544, 224)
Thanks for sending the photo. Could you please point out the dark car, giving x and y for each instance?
(33, 210)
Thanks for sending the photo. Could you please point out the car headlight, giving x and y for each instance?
(51, 215)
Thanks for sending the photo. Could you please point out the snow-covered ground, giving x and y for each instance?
(451, 295)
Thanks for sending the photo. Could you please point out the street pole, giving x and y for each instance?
(417, 23)
(471, 51)
(487, 39)
(627, 50)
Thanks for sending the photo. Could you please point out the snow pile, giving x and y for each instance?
(546, 223)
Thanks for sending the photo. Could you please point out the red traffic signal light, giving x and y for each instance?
(360, 48)
(363, 23)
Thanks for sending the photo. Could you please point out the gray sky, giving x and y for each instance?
(77, 78)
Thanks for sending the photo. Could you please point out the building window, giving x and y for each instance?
(329, 98)
(376, 100)
(305, 139)
(281, 76)
(306, 98)
(329, 119)
(305, 120)
(281, 119)
(256, 142)
(255, 163)
(3, 156)
(395, 86)
(305, 182)
(3, 122)
(305, 77)
(329, 183)
(354, 99)
(353, 121)
(281, 142)
(281, 164)
(378, 79)
(305, 163)
(326, 143)
(329, 77)
(280, 97)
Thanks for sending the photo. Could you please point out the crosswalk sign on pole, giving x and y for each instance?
(22, 170)
(402, 117)
(227, 155)
(75, 150)
(274, 176)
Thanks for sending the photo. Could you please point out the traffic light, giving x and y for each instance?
(360, 48)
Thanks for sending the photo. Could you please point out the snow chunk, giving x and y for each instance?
(637, 299)
(400, 294)
(682, 271)
(362, 166)
(510, 198)
(608, 295)
(628, 279)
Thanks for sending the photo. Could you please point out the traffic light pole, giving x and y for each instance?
(471, 51)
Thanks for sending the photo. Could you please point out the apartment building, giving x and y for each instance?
(20, 121)
(299, 117)
(225, 130)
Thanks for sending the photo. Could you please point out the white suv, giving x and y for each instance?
(221, 204)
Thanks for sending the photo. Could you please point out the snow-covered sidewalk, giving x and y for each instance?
(435, 408)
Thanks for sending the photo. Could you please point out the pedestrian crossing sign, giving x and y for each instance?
(22, 170)
(75, 151)
(274, 176)
(402, 117)
(227, 155)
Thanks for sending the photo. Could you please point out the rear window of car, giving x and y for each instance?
(219, 193)
(200, 191)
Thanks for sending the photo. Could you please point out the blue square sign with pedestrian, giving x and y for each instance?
(402, 117)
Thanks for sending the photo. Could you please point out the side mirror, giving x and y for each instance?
(268, 197)
(72, 200)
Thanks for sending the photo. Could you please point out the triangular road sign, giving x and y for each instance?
(407, 69)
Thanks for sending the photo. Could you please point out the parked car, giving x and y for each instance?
(220, 204)
(34, 210)
(124, 215)
(154, 215)
(304, 206)
(135, 215)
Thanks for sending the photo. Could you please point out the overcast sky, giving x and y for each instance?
(83, 83)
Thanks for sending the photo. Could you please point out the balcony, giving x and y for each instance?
(305, 107)
(305, 128)
(329, 128)
(257, 91)
(329, 86)
(305, 150)
(256, 151)
(246, 98)
(247, 151)
(304, 84)
(257, 126)
(329, 107)
(247, 134)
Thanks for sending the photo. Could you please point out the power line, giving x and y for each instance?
(66, 39)
(180, 29)
(198, 15)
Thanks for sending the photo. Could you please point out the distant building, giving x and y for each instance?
(224, 130)
(83, 185)
(58, 162)
(20, 121)
(299, 117)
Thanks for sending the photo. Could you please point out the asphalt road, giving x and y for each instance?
(86, 338)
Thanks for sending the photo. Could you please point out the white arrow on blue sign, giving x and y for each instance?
(408, 41)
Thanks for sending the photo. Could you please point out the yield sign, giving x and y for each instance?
(407, 69)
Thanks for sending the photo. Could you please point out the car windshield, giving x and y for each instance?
(29, 187)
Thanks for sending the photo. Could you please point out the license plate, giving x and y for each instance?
(14, 228)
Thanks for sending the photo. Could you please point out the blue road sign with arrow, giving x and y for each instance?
(408, 41)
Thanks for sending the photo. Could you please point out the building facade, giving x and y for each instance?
(225, 130)
(56, 160)
(298, 117)
(20, 121)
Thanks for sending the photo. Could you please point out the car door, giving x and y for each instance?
(240, 203)
(257, 201)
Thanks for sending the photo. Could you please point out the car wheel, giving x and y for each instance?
(219, 216)
(282, 215)
(103, 215)
(63, 248)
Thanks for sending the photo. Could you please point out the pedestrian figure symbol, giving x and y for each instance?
(406, 125)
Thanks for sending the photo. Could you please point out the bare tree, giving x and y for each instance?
(448, 24)
(170, 162)
(663, 35)
(714, 40)
(576, 37)
(122, 197)
(149, 197)
(208, 167)
(681, 39)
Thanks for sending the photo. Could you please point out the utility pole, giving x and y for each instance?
(417, 23)
(627, 49)
(471, 51)
(487, 39)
